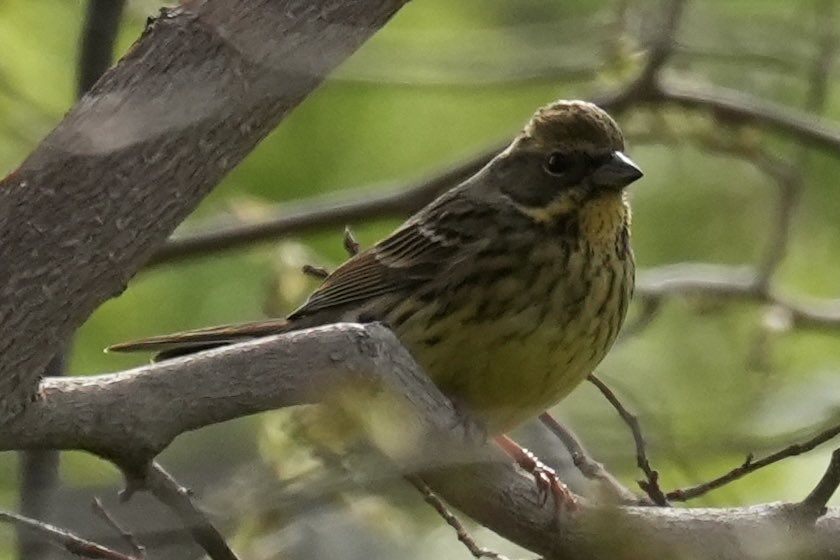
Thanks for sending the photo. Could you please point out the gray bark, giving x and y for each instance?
(131, 416)
(135, 156)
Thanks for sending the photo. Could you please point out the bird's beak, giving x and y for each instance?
(617, 172)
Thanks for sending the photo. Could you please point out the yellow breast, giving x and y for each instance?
(510, 348)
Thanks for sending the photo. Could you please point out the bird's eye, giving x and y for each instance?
(557, 163)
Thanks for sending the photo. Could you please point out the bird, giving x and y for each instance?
(508, 289)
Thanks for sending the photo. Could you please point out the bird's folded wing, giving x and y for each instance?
(417, 252)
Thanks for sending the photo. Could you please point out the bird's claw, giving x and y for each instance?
(548, 483)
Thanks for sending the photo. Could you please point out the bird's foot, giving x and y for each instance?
(548, 483)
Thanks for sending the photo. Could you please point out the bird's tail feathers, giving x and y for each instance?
(188, 342)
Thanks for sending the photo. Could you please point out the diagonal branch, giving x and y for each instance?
(815, 502)
(322, 213)
(205, 82)
(651, 483)
(166, 489)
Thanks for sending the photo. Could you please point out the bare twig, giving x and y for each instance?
(127, 536)
(814, 505)
(451, 520)
(67, 540)
(350, 244)
(750, 466)
(590, 468)
(166, 489)
(315, 271)
(651, 484)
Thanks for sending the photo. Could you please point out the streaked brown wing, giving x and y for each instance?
(415, 253)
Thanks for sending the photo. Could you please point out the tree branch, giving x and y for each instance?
(651, 483)
(750, 465)
(813, 505)
(166, 489)
(336, 211)
(322, 213)
(204, 84)
(147, 407)
(610, 487)
(460, 531)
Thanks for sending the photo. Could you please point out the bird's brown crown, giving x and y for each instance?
(573, 126)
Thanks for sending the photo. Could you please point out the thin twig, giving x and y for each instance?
(590, 468)
(70, 542)
(451, 520)
(166, 489)
(814, 505)
(126, 535)
(651, 485)
(750, 466)
(315, 271)
(350, 244)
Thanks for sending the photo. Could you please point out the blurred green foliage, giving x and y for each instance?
(441, 81)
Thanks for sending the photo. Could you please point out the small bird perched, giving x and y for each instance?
(507, 289)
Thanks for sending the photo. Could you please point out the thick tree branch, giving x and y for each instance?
(199, 89)
(147, 407)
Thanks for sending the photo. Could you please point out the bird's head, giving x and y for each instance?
(569, 158)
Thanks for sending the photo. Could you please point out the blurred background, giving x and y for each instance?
(733, 345)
